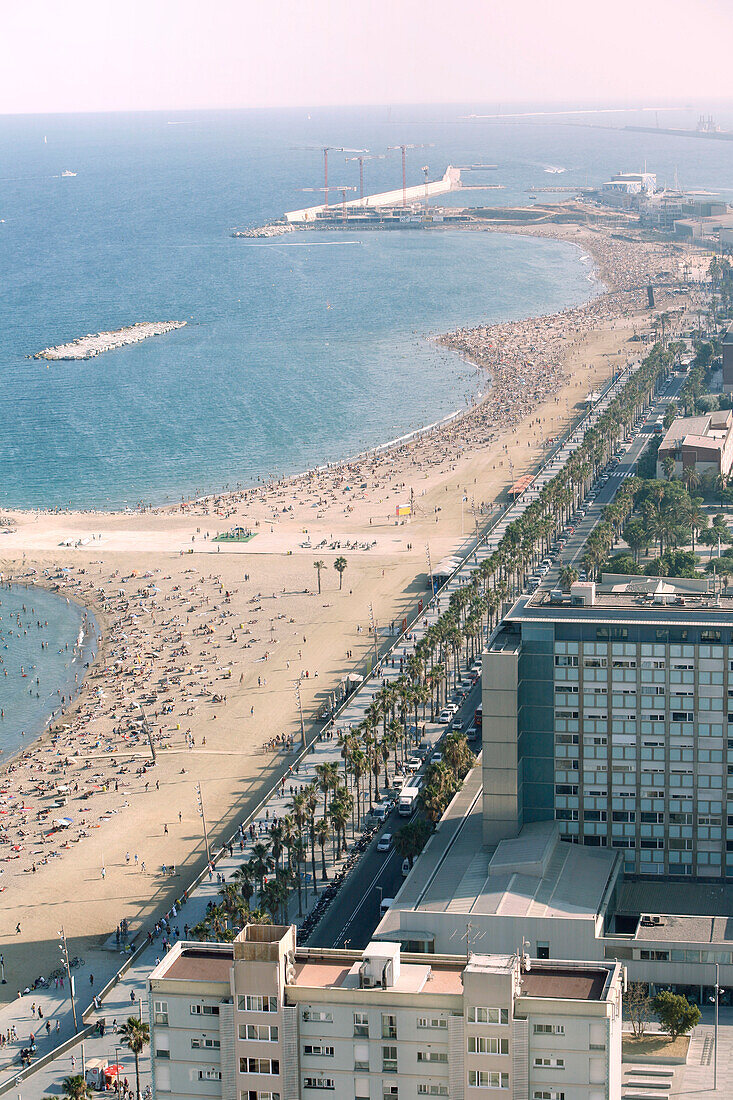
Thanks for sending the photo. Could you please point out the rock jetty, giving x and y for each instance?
(264, 231)
(86, 347)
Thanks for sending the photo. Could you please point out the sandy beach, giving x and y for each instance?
(209, 637)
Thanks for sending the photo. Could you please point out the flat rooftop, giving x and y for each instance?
(321, 973)
(196, 964)
(566, 983)
(694, 912)
(535, 875)
(635, 604)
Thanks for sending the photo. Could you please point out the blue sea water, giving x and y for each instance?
(34, 679)
(296, 351)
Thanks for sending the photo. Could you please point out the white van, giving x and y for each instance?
(386, 905)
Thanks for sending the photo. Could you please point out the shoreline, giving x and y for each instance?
(599, 288)
(91, 652)
(217, 638)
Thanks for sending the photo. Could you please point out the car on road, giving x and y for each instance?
(445, 716)
(406, 868)
(472, 733)
(384, 843)
(436, 758)
(381, 811)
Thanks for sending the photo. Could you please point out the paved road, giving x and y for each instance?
(352, 918)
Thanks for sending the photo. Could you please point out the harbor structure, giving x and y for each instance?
(261, 1018)
(403, 198)
(703, 443)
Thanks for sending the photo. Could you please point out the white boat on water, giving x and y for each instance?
(66, 173)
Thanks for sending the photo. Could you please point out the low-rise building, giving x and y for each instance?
(260, 1019)
(703, 442)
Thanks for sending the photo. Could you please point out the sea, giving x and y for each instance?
(46, 643)
(298, 350)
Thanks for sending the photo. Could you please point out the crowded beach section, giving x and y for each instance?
(203, 641)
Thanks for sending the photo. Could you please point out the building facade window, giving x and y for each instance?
(432, 1022)
(432, 1056)
(478, 1015)
(319, 1083)
(312, 1016)
(257, 1004)
(260, 1065)
(487, 1044)
(261, 1033)
(487, 1079)
(549, 1063)
(361, 1024)
(318, 1050)
(389, 1059)
(160, 1013)
(389, 1026)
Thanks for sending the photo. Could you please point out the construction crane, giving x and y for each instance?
(404, 149)
(426, 170)
(326, 149)
(361, 159)
(343, 191)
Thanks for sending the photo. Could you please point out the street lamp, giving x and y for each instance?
(716, 999)
(64, 949)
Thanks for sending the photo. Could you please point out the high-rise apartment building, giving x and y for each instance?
(614, 717)
(260, 1019)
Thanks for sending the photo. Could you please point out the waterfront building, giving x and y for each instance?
(599, 823)
(703, 442)
(261, 1019)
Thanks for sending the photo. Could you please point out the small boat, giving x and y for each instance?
(66, 174)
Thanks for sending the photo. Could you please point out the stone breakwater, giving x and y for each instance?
(276, 230)
(86, 347)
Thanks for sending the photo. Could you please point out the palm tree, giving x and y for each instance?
(76, 1088)
(340, 567)
(668, 465)
(245, 878)
(323, 831)
(135, 1034)
(318, 566)
(568, 576)
(261, 861)
(691, 478)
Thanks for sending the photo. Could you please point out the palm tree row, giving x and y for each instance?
(338, 795)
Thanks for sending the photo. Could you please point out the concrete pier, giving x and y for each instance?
(451, 181)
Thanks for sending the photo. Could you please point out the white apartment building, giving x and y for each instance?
(261, 1020)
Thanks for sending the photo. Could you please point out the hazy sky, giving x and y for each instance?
(87, 55)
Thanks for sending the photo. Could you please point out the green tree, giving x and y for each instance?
(568, 576)
(675, 1013)
(412, 838)
(76, 1088)
(135, 1034)
(668, 465)
(318, 566)
(340, 567)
